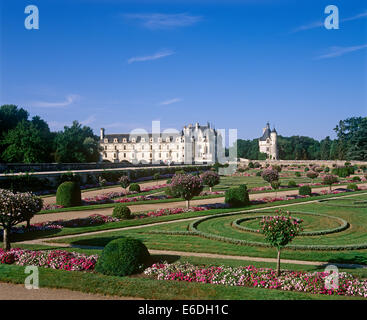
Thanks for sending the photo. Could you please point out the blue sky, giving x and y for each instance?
(237, 64)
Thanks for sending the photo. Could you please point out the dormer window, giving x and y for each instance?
(133, 140)
(159, 139)
(115, 140)
(105, 140)
(151, 139)
(142, 139)
(124, 140)
(167, 139)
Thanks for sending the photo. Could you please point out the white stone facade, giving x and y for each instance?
(268, 143)
(194, 144)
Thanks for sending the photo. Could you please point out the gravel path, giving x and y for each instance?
(19, 292)
(154, 206)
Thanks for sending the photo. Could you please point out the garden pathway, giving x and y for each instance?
(19, 292)
(154, 206)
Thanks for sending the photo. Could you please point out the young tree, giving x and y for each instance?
(186, 186)
(280, 230)
(312, 175)
(124, 182)
(275, 185)
(329, 180)
(270, 175)
(16, 208)
(156, 177)
(210, 179)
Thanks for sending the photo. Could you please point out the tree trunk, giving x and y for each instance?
(28, 223)
(187, 204)
(278, 263)
(210, 189)
(6, 244)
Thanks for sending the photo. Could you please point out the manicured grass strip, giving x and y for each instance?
(147, 288)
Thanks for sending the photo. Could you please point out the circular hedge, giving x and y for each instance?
(122, 257)
(343, 224)
(305, 191)
(134, 187)
(121, 211)
(68, 194)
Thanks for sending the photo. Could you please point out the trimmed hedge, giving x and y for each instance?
(238, 196)
(305, 191)
(121, 211)
(123, 257)
(193, 228)
(134, 187)
(68, 194)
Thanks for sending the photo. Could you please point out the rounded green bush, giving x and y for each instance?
(305, 191)
(352, 186)
(68, 194)
(121, 211)
(134, 187)
(122, 257)
(356, 178)
(237, 196)
(297, 174)
(292, 184)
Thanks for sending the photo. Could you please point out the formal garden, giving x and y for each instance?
(259, 233)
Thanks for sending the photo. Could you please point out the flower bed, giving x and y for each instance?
(54, 259)
(311, 282)
(167, 212)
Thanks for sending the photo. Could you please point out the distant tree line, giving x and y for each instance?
(24, 140)
(350, 144)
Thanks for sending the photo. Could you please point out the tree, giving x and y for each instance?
(312, 175)
(76, 144)
(10, 116)
(210, 179)
(275, 185)
(270, 175)
(280, 230)
(14, 209)
(329, 180)
(124, 182)
(29, 142)
(156, 177)
(325, 146)
(186, 186)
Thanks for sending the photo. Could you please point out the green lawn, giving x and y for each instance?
(356, 233)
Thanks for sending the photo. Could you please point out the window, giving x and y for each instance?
(167, 139)
(142, 155)
(124, 147)
(106, 140)
(124, 155)
(115, 147)
(115, 140)
(133, 140)
(178, 147)
(124, 140)
(159, 139)
(151, 139)
(105, 147)
(142, 147)
(142, 139)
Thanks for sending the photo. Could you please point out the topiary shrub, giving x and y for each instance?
(327, 169)
(258, 173)
(237, 197)
(134, 187)
(305, 191)
(297, 174)
(352, 186)
(68, 194)
(123, 257)
(307, 169)
(292, 184)
(121, 211)
(356, 178)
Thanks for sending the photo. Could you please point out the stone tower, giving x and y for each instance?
(268, 143)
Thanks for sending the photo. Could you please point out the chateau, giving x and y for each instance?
(268, 143)
(194, 144)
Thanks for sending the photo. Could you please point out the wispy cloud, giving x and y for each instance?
(91, 119)
(170, 101)
(318, 24)
(162, 21)
(158, 55)
(71, 98)
(339, 51)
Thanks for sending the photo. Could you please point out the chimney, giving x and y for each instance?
(102, 133)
